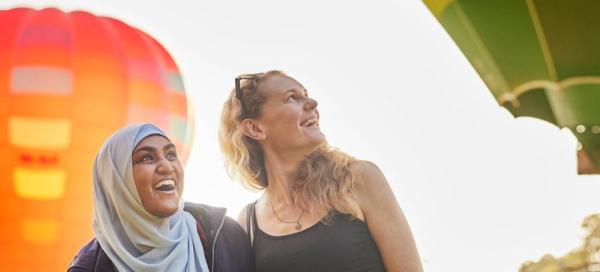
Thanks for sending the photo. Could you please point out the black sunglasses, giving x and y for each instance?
(238, 90)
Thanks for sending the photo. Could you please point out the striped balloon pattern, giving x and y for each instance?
(68, 80)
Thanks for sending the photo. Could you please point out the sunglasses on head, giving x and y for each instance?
(238, 79)
(238, 88)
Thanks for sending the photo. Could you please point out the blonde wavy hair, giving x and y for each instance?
(324, 182)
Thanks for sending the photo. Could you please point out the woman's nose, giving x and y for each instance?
(310, 104)
(165, 166)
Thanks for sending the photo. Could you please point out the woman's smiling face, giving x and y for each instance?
(289, 117)
(158, 175)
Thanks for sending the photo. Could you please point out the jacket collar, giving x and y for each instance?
(210, 218)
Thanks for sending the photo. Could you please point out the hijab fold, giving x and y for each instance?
(133, 238)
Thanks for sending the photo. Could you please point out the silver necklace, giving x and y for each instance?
(297, 222)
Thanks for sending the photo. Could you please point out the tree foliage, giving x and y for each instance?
(585, 258)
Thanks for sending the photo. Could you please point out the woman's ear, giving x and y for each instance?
(253, 130)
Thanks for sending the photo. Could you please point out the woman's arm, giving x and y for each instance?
(385, 219)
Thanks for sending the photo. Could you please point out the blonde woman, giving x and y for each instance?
(321, 209)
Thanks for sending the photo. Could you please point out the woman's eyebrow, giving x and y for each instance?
(144, 148)
(168, 146)
(294, 90)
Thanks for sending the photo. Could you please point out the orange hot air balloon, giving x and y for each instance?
(67, 81)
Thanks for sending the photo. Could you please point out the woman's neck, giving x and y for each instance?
(282, 171)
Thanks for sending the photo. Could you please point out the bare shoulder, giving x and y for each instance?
(371, 187)
(368, 176)
(360, 166)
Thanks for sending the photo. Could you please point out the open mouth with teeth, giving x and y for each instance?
(166, 185)
(314, 121)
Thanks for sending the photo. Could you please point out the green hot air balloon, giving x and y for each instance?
(539, 58)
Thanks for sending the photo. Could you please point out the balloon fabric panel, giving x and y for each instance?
(539, 58)
(69, 80)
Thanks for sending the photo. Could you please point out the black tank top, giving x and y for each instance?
(344, 243)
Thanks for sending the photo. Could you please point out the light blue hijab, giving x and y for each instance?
(133, 238)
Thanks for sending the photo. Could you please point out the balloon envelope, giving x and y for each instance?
(67, 82)
(539, 58)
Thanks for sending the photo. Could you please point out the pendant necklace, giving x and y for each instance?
(297, 222)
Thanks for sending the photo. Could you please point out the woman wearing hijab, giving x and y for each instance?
(140, 220)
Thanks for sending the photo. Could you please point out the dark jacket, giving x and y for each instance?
(226, 245)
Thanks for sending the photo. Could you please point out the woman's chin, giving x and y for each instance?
(166, 211)
(164, 207)
(319, 139)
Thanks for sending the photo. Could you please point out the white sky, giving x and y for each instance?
(482, 191)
